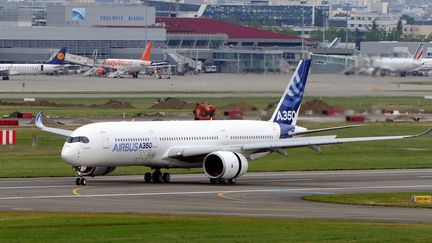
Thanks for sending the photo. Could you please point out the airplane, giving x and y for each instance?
(221, 147)
(115, 67)
(401, 66)
(55, 64)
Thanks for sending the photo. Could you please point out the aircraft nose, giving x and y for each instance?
(69, 154)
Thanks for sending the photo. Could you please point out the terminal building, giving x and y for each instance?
(121, 31)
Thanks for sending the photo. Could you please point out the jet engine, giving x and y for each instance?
(224, 165)
(101, 71)
(94, 171)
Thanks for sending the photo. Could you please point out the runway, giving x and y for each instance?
(210, 85)
(255, 194)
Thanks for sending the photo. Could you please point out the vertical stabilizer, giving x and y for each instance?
(59, 57)
(419, 52)
(146, 56)
(288, 108)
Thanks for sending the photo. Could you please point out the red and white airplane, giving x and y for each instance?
(115, 67)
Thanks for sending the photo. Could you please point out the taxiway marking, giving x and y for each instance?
(293, 190)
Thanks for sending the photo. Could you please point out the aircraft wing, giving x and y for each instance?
(39, 124)
(293, 142)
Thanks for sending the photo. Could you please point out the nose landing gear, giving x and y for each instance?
(157, 177)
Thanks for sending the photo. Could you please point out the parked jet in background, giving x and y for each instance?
(221, 147)
(401, 66)
(55, 64)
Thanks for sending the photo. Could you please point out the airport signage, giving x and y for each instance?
(422, 199)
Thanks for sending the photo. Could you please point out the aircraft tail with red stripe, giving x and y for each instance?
(146, 56)
(419, 52)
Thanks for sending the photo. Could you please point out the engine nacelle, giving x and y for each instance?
(94, 171)
(101, 71)
(225, 165)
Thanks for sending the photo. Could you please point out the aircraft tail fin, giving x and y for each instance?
(419, 52)
(289, 105)
(59, 57)
(146, 56)
(335, 43)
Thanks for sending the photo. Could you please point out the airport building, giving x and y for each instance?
(121, 31)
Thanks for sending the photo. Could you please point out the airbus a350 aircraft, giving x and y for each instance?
(221, 147)
(56, 64)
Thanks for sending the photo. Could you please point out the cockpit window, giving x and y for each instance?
(77, 140)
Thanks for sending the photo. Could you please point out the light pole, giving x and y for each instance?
(346, 29)
(324, 3)
(302, 29)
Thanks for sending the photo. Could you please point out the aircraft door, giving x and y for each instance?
(105, 140)
(224, 136)
(42, 68)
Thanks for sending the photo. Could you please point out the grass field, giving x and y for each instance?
(64, 227)
(23, 160)
(402, 199)
(142, 105)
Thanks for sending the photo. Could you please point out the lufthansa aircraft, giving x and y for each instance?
(221, 147)
(55, 64)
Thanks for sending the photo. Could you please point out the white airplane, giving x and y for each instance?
(55, 64)
(116, 67)
(221, 147)
(399, 66)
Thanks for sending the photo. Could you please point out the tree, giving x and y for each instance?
(409, 20)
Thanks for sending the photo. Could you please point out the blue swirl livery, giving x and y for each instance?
(288, 108)
(78, 14)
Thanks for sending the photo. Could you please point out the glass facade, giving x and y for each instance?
(262, 15)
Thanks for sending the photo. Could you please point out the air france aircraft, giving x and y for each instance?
(221, 147)
(56, 64)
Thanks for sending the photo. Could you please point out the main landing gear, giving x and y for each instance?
(5, 78)
(80, 181)
(223, 181)
(157, 177)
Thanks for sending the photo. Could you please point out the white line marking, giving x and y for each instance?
(424, 176)
(211, 192)
(31, 187)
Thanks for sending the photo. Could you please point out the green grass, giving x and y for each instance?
(359, 104)
(400, 199)
(23, 160)
(68, 227)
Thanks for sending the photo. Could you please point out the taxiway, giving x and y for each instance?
(255, 194)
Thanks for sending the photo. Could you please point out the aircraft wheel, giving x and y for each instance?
(5, 78)
(213, 181)
(232, 181)
(166, 177)
(148, 177)
(77, 181)
(157, 177)
(83, 182)
(223, 182)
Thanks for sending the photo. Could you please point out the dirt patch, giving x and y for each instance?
(115, 104)
(172, 103)
(315, 105)
(242, 106)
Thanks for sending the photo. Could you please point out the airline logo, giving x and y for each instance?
(60, 56)
(7, 137)
(131, 147)
(117, 62)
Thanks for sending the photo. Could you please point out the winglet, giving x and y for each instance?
(427, 132)
(40, 125)
(38, 120)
